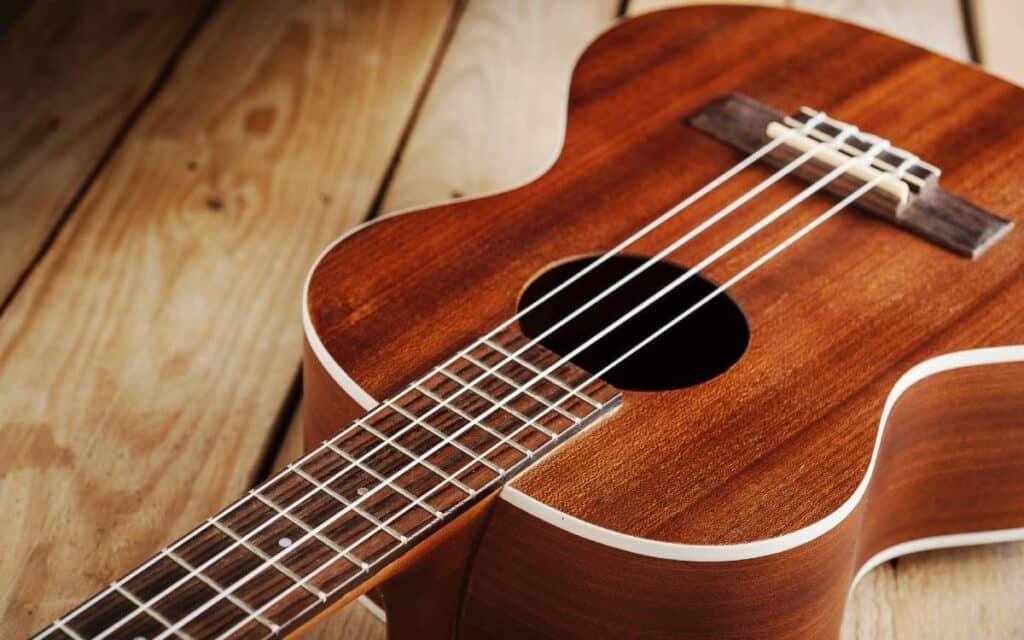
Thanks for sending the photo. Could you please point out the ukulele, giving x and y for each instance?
(754, 332)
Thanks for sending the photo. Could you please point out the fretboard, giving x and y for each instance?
(321, 528)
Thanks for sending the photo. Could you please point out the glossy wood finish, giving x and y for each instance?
(502, 54)
(849, 293)
(799, 442)
(951, 462)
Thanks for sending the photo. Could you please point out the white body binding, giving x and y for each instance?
(693, 552)
(729, 552)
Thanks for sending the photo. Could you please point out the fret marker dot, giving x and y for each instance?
(284, 543)
(362, 491)
(139, 638)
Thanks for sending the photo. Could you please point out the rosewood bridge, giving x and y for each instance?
(912, 199)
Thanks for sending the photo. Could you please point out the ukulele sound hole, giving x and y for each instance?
(696, 349)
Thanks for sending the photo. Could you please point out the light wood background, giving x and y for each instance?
(169, 171)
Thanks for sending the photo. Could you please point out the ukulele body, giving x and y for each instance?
(877, 409)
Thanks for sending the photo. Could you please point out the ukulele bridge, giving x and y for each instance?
(905, 191)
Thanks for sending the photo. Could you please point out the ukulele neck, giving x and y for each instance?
(320, 530)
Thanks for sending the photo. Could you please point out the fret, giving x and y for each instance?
(446, 422)
(421, 442)
(336, 460)
(489, 406)
(464, 428)
(357, 441)
(312, 550)
(257, 586)
(269, 560)
(340, 524)
(516, 399)
(162, 574)
(57, 631)
(58, 627)
(408, 496)
(360, 536)
(452, 444)
(217, 588)
(350, 505)
(496, 449)
(440, 473)
(559, 389)
(537, 369)
(143, 607)
(96, 620)
(372, 448)
(179, 602)
(591, 394)
(237, 569)
(511, 407)
(515, 385)
(514, 426)
(351, 480)
(309, 507)
(536, 414)
(327, 542)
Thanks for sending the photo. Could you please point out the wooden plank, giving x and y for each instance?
(998, 26)
(636, 7)
(71, 76)
(147, 355)
(935, 24)
(494, 115)
(973, 592)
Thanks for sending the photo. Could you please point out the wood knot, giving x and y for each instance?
(260, 120)
(214, 203)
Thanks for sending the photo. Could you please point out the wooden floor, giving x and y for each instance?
(170, 170)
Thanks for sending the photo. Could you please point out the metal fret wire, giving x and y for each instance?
(512, 383)
(749, 160)
(814, 188)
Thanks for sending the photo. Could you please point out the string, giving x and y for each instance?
(343, 512)
(875, 149)
(672, 212)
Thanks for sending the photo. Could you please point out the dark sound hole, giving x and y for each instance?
(696, 349)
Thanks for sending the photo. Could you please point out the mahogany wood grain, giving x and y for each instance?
(799, 442)
(71, 76)
(145, 359)
(365, 322)
(950, 462)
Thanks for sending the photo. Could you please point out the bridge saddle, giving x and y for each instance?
(911, 199)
